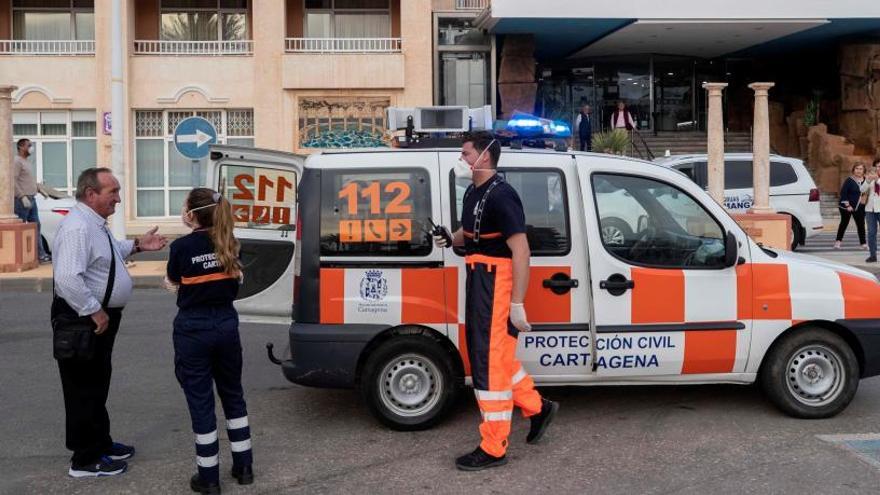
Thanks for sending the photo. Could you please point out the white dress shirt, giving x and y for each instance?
(81, 262)
(873, 203)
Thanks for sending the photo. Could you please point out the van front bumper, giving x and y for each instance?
(327, 355)
(867, 333)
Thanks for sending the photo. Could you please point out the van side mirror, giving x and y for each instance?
(730, 250)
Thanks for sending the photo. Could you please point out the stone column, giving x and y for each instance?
(7, 212)
(716, 141)
(761, 148)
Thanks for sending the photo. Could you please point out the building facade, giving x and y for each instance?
(294, 75)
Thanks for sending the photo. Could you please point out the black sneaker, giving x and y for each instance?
(203, 487)
(479, 460)
(104, 467)
(120, 452)
(542, 420)
(244, 474)
(871, 259)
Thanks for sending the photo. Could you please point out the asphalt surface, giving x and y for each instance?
(700, 439)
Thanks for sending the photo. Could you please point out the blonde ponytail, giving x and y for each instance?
(226, 246)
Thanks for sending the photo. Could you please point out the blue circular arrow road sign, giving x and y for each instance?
(193, 137)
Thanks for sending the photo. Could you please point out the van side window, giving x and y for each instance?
(375, 212)
(651, 223)
(738, 174)
(261, 197)
(543, 196)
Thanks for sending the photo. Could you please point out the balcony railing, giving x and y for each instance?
(156, 47)
(471, 4)
(342, 45)
(47, 47)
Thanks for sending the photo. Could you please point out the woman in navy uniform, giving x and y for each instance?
(205, 269)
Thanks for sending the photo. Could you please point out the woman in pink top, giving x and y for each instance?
(621, 118)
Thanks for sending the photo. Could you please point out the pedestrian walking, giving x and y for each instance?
(92, 286)
(621, 118)
(584, 125)
(25, 191)
(852, 205)
(872, 210)
(493, 233)
(204, 268)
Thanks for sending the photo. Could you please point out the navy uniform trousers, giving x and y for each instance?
(207, 350)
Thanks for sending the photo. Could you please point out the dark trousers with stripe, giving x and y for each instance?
(500, 382)
(86, 385)
(207, 351)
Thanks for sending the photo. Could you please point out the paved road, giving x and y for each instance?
(707, 439)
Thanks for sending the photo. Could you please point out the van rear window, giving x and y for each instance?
(378, 212)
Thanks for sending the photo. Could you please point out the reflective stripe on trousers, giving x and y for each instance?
(500, 382)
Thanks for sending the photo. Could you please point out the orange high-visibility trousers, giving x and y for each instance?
(500, 382)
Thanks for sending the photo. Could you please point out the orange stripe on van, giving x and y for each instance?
(744, 292)
(658, 296)
(542, 305)
(861, 297)
(332, 299)
(430, 295)
(202, 279)
(772, 300)
(709, 351)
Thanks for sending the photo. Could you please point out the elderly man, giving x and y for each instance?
(85, 257)
(25, 190)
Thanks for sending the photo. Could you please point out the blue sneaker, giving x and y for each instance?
(120, 452)
(104, 467)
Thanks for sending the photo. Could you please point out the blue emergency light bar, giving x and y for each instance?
(525, 125)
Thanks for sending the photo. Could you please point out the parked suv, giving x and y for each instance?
(792, 189)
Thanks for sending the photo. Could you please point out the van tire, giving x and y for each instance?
(795, 233)
(409, 361)
(810, 357)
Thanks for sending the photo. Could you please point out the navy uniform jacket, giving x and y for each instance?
(193, 265)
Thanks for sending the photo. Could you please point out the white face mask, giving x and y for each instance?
(462, 170)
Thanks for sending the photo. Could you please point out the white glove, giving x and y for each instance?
(25, 201)
(518, 317)
(440, 241)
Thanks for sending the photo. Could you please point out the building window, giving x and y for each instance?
(347, 18)
(64, 144)
(343, 122)
(163, 177)
(204, 20)
(463, 63)
(53, 19)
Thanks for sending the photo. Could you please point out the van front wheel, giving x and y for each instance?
(408, 383)
(812, 373)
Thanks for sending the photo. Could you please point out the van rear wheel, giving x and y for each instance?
(811, 373)
(408, 383)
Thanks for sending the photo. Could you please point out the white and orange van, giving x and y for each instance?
(335, 245)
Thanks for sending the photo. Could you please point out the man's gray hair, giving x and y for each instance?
(88, 179)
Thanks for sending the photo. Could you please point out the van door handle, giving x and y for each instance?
(560, 283)
(616, 284)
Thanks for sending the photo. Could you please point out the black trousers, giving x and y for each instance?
(586, 142)
(86, 385)
(858, 216)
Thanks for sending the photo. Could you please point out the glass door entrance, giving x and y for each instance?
(674, 95)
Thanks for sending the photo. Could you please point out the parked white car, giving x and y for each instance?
(792, 189)
(52, 205)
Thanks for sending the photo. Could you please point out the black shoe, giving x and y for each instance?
(104, 467)
(244, 474)
(542, 420)
(203, 487)
(120, 452)
(871, 259)
(479, 460)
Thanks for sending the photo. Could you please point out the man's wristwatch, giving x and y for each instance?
(137, 246)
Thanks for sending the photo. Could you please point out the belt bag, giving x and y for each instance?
(73, 336)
